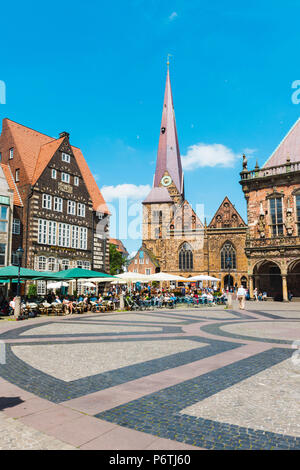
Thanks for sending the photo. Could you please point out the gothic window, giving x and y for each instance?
(185, 257)
(276, 216)
(228, 256)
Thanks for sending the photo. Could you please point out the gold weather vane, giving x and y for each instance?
(168, 62)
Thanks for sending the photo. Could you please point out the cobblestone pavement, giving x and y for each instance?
(184, 378)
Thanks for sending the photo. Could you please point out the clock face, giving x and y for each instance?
(166, 180)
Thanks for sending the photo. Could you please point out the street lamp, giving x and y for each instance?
(19, 253)
(228, 266)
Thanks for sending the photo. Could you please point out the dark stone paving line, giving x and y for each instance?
(55, 390)
(271, 315)
(163, 330)
(215, 329)
(159, 413)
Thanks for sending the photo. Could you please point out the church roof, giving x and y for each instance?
(168, 154)
(158, 195)
(289, 147)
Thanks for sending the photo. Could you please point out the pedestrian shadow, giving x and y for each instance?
(9, 402)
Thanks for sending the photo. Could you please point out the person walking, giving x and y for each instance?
(241, 294)
(255, 293)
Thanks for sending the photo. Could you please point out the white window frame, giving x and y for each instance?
(17, 175)
(83, 238)
(71, 207)
(76, 181)
(41, 288)
(148, 271)
(52, 264)
(65, 262)
(16, 226)
(65, 177)
(80, 209)
(53, 174)
(52, 228)
(66, 157)
(11, 153)
(42, 263)
(58, 204)
(47, 201)
(42, 231)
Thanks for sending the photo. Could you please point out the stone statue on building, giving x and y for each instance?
(261, 226)
(289, 222)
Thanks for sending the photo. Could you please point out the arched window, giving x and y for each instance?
(42, 263)
(228, 256)
(185, 257)
(51, 264)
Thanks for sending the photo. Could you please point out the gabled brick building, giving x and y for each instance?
(63, 218)
(273, 204)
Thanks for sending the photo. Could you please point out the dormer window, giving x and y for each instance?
(11, 153)
(65, 177)
(65, 157)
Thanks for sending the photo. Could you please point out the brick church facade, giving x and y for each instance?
(177, 239)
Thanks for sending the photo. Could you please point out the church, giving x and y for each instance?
(175, 240)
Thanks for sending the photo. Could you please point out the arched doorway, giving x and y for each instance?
(293, 278)
(228, 281)
(267, 278)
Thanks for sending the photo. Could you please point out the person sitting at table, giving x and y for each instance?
(12, 305)
(68, 304)
(57, 299)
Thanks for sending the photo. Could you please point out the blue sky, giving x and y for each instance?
(97, 70)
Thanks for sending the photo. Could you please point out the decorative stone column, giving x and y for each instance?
(284, 288)
(251, 286)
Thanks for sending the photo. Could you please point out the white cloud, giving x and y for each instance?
(200, 155)
(129, 191)
(248, 151)
(173, 16)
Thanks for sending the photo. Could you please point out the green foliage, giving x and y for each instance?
(116, 260)
(32, 291)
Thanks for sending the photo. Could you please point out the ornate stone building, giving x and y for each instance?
(273, 205)
(63, 220)
(172, 231)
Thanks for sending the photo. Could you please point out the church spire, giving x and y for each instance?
(168, 155)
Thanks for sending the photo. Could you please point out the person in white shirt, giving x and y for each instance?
(241, 294)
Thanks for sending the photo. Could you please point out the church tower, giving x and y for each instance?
(168, 185)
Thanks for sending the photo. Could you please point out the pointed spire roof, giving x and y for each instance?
(168, 154)
(289, 147)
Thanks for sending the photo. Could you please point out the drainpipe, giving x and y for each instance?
(27, 215)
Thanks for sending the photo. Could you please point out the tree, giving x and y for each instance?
(116, 260)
